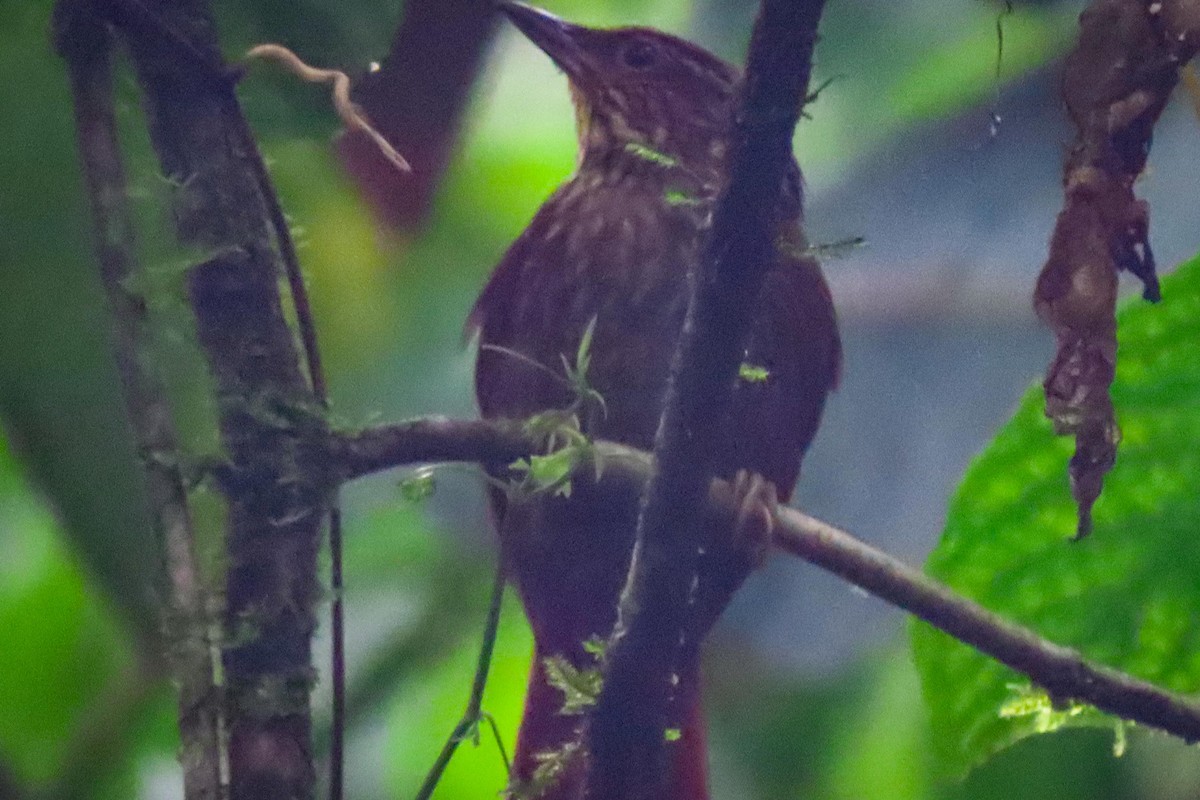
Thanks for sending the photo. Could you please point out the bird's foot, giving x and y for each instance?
(734, 551)
(754, 521)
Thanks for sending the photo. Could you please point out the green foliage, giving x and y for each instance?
(1128, 596)
(880, 752)
(427, 698)
(586, 396)
(549, 474)
(550, 767)
(568, 447)
(58, 395)
(1027, 701)
(419, 485)
(580, 687)
(63, 654)
(647, 153)
(678, 197)
(753, 373)
(389, 311)
(598, 647)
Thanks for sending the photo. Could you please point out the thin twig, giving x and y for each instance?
(473, 715)
(410, 651)
(349, 113)
(86, 45)
(417, 99)
(1063, 672)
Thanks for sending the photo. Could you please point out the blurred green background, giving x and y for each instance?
(813, 691)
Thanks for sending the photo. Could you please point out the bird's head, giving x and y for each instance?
(638, 92)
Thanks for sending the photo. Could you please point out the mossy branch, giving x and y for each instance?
(85, 43)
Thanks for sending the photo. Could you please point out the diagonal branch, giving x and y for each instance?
(1062, 671)
(625, 737)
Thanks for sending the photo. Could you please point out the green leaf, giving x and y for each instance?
(1127, 597)
(58, 382)
(551, 472)
(583, 356)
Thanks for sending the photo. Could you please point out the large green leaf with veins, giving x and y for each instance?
(1129, 596)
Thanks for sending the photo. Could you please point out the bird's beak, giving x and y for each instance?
(556, 38)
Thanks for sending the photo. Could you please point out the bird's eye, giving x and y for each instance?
(640, 54)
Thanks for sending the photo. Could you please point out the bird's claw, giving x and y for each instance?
(754, 522)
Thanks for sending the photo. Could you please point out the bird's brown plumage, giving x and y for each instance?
(617, 244)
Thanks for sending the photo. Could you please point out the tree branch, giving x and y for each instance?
(271, 425)
(1063, 672)
(427, 439)
(307, 328)
(625, 730)
(84, 42)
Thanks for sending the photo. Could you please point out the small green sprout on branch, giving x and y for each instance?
(753, 373)
(567, 444)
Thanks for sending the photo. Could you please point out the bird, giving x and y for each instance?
(607, 262)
